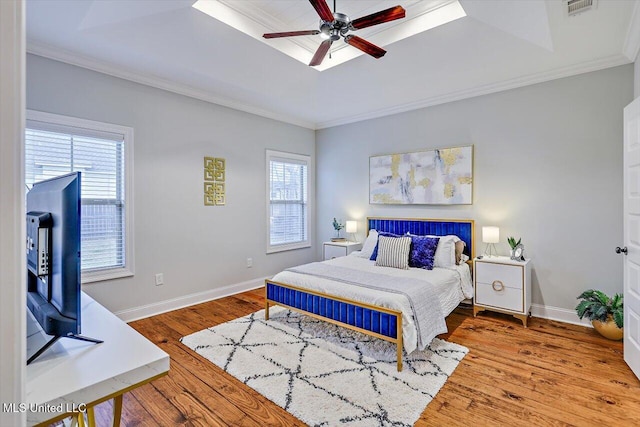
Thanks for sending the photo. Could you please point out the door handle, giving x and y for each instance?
(622, 250)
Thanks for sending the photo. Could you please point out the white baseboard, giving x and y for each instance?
(148, 310)
(558, 314)
(136, 313)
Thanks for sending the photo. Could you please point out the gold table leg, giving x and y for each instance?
(91, 416)
(117, 410)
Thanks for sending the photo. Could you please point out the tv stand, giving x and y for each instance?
(56, 338)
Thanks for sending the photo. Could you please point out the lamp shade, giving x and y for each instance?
(351, 227)
(491, 234)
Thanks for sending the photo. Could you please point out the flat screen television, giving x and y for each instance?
(53, 257)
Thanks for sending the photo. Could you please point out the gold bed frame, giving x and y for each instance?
(398, 314)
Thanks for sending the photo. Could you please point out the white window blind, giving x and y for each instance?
(53, 149)
(288, 191)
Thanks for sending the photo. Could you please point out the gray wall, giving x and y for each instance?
(197, 248)
(636, 77)
(548, 161)
(547, 168)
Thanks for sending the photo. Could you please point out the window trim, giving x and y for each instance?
(308, 159)
(129, 253)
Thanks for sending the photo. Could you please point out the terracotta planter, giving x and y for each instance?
(608, 329)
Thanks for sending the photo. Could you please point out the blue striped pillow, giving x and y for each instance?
(393, 252)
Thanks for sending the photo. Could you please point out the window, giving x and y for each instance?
(56, 145)
(287, 201)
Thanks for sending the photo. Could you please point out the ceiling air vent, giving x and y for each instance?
(575, 7)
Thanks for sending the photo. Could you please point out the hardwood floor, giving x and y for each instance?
(549, 374)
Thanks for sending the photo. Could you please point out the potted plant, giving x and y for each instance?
(514, 244)
(606, 314)
(337, 225)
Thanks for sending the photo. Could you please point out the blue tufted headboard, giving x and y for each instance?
(463, 228)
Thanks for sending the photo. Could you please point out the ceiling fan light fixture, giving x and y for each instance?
(325, 30)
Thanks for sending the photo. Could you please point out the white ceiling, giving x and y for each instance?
(168, 44)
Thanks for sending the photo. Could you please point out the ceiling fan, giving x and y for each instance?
(335, 25)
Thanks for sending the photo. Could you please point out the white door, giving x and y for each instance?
(631, 249)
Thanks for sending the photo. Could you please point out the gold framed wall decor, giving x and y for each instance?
(214, 181)
(442, 176)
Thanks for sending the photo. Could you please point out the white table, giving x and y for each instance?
(332, 250)
(73, 373)
(502, 285)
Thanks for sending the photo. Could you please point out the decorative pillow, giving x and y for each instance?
(393, 252)
(423, 251)
(446, 252)
(374, 254)
(369, 244)
(459, 249)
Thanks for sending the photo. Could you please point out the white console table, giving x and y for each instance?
(73, 373)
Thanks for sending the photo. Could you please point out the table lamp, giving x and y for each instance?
(490, 236)
(351, 227)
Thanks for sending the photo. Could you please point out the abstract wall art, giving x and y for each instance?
(442, 176)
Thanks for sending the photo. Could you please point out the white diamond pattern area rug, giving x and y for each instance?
(326, 375)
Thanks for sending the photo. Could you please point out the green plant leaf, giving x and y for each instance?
(618, 317)
(512, 242)
(600, 313)
(617, 302)
(604, 298)
(588, 295)
(583, 308)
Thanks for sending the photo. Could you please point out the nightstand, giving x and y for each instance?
(502, 285)
(332, 250)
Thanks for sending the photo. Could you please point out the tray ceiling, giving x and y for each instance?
(498, 45)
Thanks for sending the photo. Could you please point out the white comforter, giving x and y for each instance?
(451, 285)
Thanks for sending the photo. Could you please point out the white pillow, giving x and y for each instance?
(369, 245)
(393, 252)
(445, 255)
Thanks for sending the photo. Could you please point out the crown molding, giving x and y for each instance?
(585, 67)
(632, 41)
(160, 83)
(71, 58)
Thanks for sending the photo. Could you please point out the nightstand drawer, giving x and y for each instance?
(331, 252)
(509, 275)
(499, 296)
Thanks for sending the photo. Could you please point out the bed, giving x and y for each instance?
(349, 291)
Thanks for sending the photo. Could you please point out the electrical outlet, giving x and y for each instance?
(159, 279)
(249, 262)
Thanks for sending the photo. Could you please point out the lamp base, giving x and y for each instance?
(490, 250)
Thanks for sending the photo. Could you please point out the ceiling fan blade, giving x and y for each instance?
(320, 53)
(291, 34)
(323, 9)
(365, 46)
(391, 14)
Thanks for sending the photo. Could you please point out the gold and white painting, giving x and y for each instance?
(437, 177)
